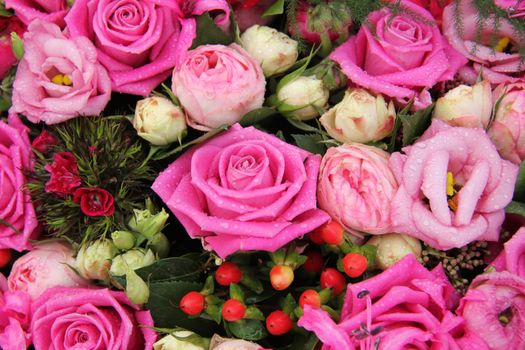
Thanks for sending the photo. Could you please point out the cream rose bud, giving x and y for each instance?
(360, 117)
(94, 260)
(393, 247)
(219, 343)
(275, 51)
(467, 106)
(132, 259)
(301, 96)
(159, 121)
(177, 341)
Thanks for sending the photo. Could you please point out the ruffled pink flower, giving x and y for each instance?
(64, 174)
(43, 142)
(512, 258)
(139, 42)
(243, 190)
(453, 187)
(15, 310)
(48, 10)
(397, 56)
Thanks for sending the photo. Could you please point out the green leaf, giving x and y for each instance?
(257, 115)
(3, 11)
(255, 298)
(416, 124)
(176, 268)
(516, 208)
(253, 313)
(276, 9)
(209, 33)
(252, 330)
(17, 45)
(236, 292)
(295, 74)
(311, 142)
(306, 341)
(289, 304)
(519, 189)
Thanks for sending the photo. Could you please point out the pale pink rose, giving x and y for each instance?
(508, 129)
(512, 258)
(515, 8)
(243, 190)
(16, 207)
(49, 10)
(58, 78)
(453, 187)
(76, 318)
(213, 73)
(492, 63)
(398, 56)
(48, 265)
(15, 312)
(356, 188)
(139, 42)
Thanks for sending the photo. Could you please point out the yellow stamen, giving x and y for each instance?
(453, 203)
(502, 44)
(58, 79)
(450, 184)
(67, 80)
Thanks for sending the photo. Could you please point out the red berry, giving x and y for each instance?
(332, 232)
(310, 297)
(192, 303)
(314, 261)
(228, 273)
(281, 276)
(354, 264)
(316, 237)
(278, 323)
(331, 278)
(5, 257)
(233, 310)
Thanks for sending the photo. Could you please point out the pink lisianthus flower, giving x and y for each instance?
(15, 311)
(243, 190)
(48, 10)
(453, 187)
(512, 258)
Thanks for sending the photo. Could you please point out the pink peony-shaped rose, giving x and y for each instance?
(18, 219)
(15, 310)
(508, 129)
(453, 187)
(356, 187)
(397, 56)
(89, 319)
(49, 10)
(48, 265)
(213, 73)
(139, 42)
(243, 190)
(58, 78)
(499, 63)
(512, 258)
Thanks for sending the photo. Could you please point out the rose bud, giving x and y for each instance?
(147, 223)
(159, 121)
(123, 240)
(393, 247)
(160, 244)
(467, 106)
(219, 343)
(94, 260)
(360, 117)
(177, 341)
(132, 259)
(300, 97)
(273, 50)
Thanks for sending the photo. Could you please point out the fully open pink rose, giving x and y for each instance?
(453, 187)
(89, 319)
(243, 190)
(139, 42)
(19, 223)
(49, 10)
(15, 310)
(58, 78)
(213, 73)
(512, 258)
(397, 56)
(356, 188)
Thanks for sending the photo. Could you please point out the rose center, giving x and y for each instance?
(505, 316)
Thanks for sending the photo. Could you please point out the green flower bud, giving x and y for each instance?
(132, 259)
(147, 223)
(123, 240)
(182, 340)
(136, 289)
(160, 245)
(94, 260)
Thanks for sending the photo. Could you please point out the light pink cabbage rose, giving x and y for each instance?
(512, 258)
(49, 10)
(89, 319)
(243, 190)
(41, 90)
(15, 310)
(139, 42)
(356, 187)
(453, 187)
(397, 56)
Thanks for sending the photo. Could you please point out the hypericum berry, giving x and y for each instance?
(314, 261)
(281, 276)
(354, 264)
(316, 237)
(310, 297)
(233, 310)
(192, 303)
(228, 273)
(278, 323)
(331, 278)
(5, 257)
(332, 232)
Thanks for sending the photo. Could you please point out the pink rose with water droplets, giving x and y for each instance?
(15, 312)
(512, 258)
(48, 10)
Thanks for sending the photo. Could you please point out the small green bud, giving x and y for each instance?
(147, 223)
(132, 259)
(160, 245)
(123, 240)
(136, 289)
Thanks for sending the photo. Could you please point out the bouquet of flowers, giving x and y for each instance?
(262, 174)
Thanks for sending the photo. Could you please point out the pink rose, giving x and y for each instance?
(58, 78)
(16, 208)
(356, 187)
(494, 64)
(7, 26)
(212, 73)
(139, 42)
(47, 265)
(76, 318)
(243, 190)
(47, 10)
(397, 56)
(508, 129)
(15, 309)
(515, 8)
(512, 258)
(453, 187)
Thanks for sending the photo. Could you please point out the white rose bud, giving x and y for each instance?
(273, 50)
(360, 117)
(219, 343)
(182, 340)
(393, 247)
(467, 106)
(159, 121)
(132, 259)
(94, 260)
(301, 97)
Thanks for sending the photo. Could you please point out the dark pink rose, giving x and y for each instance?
(139, 42)
(48, 10)
(15, 310)
(89, 319)
(243, 190)
(397, 56)
(7, 26)
(64, 174)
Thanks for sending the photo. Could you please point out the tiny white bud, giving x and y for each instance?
(302, 97)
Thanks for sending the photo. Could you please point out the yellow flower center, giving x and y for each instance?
(62, 79)
(451, 193)
(502, 44)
